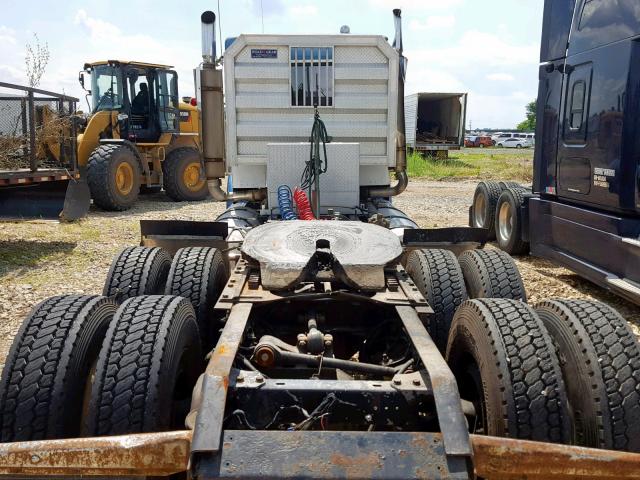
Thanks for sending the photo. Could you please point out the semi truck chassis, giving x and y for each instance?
(431, 436)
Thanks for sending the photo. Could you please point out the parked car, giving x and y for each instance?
(483, 141)
(470, 141)
(514, 142)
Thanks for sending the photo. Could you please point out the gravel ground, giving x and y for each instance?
(40, 258)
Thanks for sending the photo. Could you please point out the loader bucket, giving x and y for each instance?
(64, 200)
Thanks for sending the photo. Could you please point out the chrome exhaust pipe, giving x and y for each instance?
(212, 119)
(401, 146)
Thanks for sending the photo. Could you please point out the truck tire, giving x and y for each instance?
(199, 274)
(113, 175)
(483, 210)
(509, 222)
(137, 271)
(182, 180)
(147, 368)
(505, 363)
(491, 273)
(600, 360)
(437, 275)
(47, 371)
(509, 184)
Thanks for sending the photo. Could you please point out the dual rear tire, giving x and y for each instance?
(81, 366)
(497, 208)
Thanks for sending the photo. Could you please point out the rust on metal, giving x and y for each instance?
(166, 453)
(140, 454)
(502, 458)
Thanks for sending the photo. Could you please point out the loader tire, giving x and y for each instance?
(182, 171)
(505, 363)
(483, 210)
(47, 371)
(199, 274)
(437, 275)
(137, 271)
(147, 368)
(600, 360)
(509, 222)
(113, 175)
(491, 273)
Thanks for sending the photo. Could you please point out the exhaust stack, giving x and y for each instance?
(212, 118)
(211, 103)
(401, 147)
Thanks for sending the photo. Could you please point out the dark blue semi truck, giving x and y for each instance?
(583, 211)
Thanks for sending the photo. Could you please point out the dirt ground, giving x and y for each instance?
(41, 258)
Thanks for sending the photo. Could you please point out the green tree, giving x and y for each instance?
(529, 125)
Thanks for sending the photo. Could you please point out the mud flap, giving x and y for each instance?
(64, 200)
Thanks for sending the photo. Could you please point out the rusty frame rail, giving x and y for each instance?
(131, 455)
(168, 453)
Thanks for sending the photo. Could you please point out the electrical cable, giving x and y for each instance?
(315, 166)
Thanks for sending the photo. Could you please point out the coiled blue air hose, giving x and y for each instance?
(285, 203)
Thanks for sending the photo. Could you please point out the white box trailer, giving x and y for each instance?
(434, 122)
(271, 85)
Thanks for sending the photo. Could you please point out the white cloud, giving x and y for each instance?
(500, 77)
(304, 11)
(7, 35)
(433, 22)
(496, 52)
(426, 79)
(108, 41)
(99, 29)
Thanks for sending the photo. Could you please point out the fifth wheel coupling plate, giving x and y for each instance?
(283, 249)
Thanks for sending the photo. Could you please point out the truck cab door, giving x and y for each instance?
(575, 146)
(167, 101)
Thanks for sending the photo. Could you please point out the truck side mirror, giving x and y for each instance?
(81, 79)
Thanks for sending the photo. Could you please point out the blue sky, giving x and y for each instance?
(488, 48)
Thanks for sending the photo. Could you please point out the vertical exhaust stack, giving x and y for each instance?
(212, 118)
(211, 103)
(401, 146)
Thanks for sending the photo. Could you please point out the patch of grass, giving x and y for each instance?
(503, 164)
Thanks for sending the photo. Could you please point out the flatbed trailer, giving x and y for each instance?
(34, 184)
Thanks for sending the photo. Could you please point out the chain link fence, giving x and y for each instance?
(37, 129)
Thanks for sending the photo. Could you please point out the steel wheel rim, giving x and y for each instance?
(124, 178)
(191, 177)
(479, 210)
(505, 222)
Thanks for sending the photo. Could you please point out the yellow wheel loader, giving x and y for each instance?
(138, 137)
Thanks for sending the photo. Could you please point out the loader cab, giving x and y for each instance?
(588, 150)
(144, 95)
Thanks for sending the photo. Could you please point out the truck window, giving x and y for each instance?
(576, 104)
(600, 22)
(556, 25)
(311, 76)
